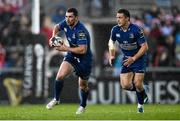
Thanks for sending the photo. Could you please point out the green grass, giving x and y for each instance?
(93, 112)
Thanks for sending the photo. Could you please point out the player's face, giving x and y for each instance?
(71, 19)
(121, 19)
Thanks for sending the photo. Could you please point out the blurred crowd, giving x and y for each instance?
(162, 31)
(14, 26)
(15, 31)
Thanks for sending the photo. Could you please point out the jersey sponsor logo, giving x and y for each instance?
(118, 35)
(81, 35)
(128, 46)
(73, 36)
(125, 42)
(141, 33)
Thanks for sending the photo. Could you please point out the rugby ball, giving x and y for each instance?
(55, 40)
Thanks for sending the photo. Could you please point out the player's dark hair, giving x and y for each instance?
(73, 10)
(125, 12)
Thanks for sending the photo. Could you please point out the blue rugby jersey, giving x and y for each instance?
(129, 41)
(78, 35)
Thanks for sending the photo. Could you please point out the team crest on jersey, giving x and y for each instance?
(73, 36)
(131, 35)
(118, 35)
(65, 29)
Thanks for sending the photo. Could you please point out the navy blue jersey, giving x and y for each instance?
(78, 35)
(130, 42)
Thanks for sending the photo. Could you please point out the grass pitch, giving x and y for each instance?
(93, 112)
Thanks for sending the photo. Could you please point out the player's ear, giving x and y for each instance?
(77, 17)
(127, 18)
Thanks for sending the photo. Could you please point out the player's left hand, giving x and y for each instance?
(127, 62)
(111, 60)
(61, 47)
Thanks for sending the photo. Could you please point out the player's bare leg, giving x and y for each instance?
(84, 91)
(64, 70)
(126, 80)
(140, 92)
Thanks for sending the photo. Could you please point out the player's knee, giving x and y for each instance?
(126, 86)
(83, 86)
(139, 87)
(60, 77)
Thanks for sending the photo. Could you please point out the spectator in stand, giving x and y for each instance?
(170, 45)
(96, 8)
(14, 59)
(166, 54)
(42, 16)
(47, 28)
(138, 21)
(175, 11)
(176, 33)
(59, 14)
(14, 35)
(6, 14)
(166, 28)
(24, 23)
(2, 56)
(155, 11)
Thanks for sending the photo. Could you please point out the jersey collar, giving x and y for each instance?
(127, 28)
(74, 25)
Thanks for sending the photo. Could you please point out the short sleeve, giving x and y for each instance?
(140, 36)
(82, 37)
(113, 37)
(62, 25)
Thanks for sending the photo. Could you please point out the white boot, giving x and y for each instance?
(140, 108)
(80, 110)
(51, 104)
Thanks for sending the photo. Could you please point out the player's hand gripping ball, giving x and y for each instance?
(55, 41)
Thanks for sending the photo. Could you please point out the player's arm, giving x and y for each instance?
(142, 51)
(81, 49)
(55, 32)
(112, 47)
(142, 42)
(112, 51)
(143, 48)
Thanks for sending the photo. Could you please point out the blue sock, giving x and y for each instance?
(58, 88)
(140, 97)
(84, 96)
